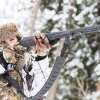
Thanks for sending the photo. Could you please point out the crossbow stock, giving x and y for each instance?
(53, 38)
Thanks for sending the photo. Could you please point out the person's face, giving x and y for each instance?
(12, 41)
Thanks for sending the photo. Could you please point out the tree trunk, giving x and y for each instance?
(30, 17)
(33, 14)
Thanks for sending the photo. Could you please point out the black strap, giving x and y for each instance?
(38, 58)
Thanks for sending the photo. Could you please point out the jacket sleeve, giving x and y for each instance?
(2, 69)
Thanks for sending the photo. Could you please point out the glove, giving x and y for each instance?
(42, 44)
(11, 67)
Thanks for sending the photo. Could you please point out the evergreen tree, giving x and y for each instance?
(81, 72)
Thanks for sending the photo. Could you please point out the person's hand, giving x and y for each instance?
(42, 44)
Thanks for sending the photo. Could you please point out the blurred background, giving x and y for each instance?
(80, 77)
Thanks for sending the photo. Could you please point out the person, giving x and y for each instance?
(17, 61)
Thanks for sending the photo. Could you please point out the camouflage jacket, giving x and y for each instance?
(7, 92)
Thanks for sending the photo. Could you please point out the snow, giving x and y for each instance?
(85, 11)
(48, 14)
(75, 62)
(96, 72)
(97, 56)
(54, 5)
(66, 1)
(93, 96)
(79, 1)
(78, 53)
(74, 73)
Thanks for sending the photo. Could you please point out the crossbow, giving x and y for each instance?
(59, 62)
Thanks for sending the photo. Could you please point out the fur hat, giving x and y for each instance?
(8, 30)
